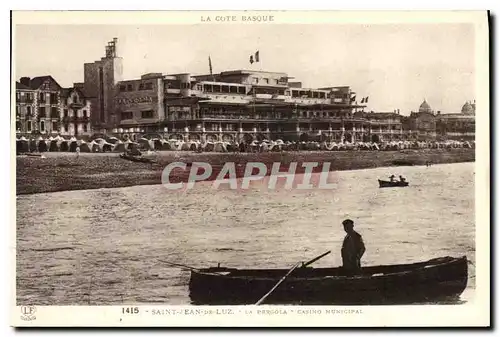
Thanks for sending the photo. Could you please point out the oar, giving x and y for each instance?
(289, 272)
(277, 284)
(316, 259)
(182, 266)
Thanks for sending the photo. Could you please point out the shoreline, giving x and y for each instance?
(64, 172)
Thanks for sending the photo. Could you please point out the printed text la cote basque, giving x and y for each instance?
(237, 18)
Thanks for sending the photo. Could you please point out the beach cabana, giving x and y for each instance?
(145, 144)
(22, 145)
(41, 145)
(64, 146)
(156, 143)
(119, 146)
(208, 147)
(112, 140)
(165, 145)
(105, 147)
(52, 144)
(94, 146)
(220, 147)
(84, 146)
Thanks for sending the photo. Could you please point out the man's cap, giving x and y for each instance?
(347, 222)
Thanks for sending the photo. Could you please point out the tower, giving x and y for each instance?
(100, 79)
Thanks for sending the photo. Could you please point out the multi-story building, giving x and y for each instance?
(37, 105)
(100, 80)
(385, 126)
(238, 105)
(75, 113)
(457, 125)
(423, 123)
(43, 108)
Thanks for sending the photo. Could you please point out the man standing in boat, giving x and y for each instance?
(353, 249)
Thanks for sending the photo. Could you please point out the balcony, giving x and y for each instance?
(83, 119)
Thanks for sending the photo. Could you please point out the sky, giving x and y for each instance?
(397, 66)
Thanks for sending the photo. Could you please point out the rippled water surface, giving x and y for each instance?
(105, 246)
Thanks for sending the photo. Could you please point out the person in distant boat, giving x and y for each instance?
(402, 179)
(77, 151)
(392, 178)
(353, 249)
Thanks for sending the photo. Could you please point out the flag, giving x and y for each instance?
(366, 99)
(251, 59)
(257, 56)
(210, 64)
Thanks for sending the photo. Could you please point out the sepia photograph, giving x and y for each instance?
(217, 163)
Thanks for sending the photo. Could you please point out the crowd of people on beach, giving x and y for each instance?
(113, 144)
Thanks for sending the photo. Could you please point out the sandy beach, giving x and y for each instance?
(64, 171)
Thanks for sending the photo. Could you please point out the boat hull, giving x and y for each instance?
(383, 183)
(136, 158)
(441, 279)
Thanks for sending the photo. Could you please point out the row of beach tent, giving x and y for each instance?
(113, 144)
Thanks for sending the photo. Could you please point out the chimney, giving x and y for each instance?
(25, 80)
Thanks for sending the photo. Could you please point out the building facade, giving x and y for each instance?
(458, 125)
(241, 106)
(44, 108)
(100, 80)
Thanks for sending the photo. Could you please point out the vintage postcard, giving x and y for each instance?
(267, 168)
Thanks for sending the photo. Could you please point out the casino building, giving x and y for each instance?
(239, 105)
(242, 106)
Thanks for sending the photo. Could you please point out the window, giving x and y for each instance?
(147, 114)
(149, 86)
(141, 86)
(129, 87)
(42, 126)
(53, 98)
(85, 129)
(65, 113)
(17, 110)
(18, 96)
(54, 126)
(122, 88)
(276, 81)
(85, 113)
(28, 110)
(127, 115)
(266, 80)
(42, 112)
(53, 112)
(18, 126)
(65, 127)
(28, 97)
(28, 126)
(42, 97)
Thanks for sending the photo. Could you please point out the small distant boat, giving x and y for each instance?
(443, 278)
(395, 183)
(138, 159)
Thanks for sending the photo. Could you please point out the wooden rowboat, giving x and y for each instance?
(384, 183)
(136, 158)
(435, 280)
